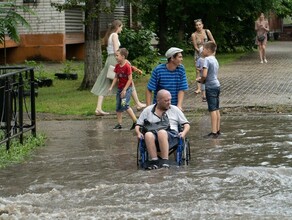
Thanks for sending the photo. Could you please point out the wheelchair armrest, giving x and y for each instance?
(180, 128)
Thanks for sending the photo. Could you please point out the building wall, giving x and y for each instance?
(54, 35)
(45, 40)
(48, 47)
(46, 20)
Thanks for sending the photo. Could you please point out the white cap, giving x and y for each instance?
(171, 51)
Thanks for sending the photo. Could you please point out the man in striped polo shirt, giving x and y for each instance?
(170, 76)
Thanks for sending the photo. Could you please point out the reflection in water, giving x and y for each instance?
(88, 171)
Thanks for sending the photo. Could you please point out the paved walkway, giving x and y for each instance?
(247, 83)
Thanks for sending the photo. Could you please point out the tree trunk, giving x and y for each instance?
(93, 54)
(182, 22)
(162, 33)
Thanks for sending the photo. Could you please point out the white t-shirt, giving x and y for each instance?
(174, 114)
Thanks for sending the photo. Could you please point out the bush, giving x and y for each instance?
(141, 53)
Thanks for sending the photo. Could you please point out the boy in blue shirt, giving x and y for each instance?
(212, 86)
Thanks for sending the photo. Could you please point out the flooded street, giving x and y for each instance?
(89, 171)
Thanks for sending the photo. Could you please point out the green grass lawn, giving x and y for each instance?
(64, 97)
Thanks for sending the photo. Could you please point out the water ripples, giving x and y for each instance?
(245, 174)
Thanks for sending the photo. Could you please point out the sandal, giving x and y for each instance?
(152, 165)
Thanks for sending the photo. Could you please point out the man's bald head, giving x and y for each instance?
(162, 93)
(163, 99)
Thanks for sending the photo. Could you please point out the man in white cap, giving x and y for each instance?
(170, 76)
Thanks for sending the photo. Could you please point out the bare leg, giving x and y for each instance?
(260, 51)
(131, 114)
(98, 110)
(163, 143)
(136, 99)
(264, 52)
(139, 104)
(150, 143)
(198, 84)
(214, 121)
(119, 116)
(218, 120)
(198, 88)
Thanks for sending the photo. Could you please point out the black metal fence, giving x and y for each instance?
(17, 103)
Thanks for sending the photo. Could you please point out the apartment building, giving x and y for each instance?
(54, 35)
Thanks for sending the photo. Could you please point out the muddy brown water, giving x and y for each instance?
(88, 171)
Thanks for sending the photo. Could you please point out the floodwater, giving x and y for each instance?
(88, 171)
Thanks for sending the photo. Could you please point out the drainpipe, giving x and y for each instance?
(4, 44)
(131, 15)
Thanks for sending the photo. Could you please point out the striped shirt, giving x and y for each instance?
(173, 81)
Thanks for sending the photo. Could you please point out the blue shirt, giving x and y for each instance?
(173, 81)
(212, 65)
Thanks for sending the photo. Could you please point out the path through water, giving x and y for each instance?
(88, 171)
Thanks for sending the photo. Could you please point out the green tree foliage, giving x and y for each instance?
(283, 8)
(231, 22)
(138, 42)
(10, 19)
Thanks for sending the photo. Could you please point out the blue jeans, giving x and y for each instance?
(126, 105)
(212, 96)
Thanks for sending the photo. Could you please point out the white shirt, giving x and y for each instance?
(174, 114)
(110, 44)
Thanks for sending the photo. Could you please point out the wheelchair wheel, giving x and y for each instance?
(142, 154)
(138, 154)
(186, 152)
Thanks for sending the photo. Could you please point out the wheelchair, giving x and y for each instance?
(181, 152)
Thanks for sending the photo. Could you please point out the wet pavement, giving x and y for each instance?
(248, 83)
(88, 171)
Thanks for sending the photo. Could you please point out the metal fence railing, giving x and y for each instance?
(17, 103)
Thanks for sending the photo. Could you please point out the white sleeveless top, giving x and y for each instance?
(110, 44)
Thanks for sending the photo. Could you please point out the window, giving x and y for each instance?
(120, 3)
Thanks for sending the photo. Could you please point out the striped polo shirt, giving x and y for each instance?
(173, 81)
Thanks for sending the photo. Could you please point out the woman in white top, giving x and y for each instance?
(262, 28)
(199, 37)
(102, 84)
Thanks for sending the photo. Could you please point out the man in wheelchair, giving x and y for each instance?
(158, 125)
